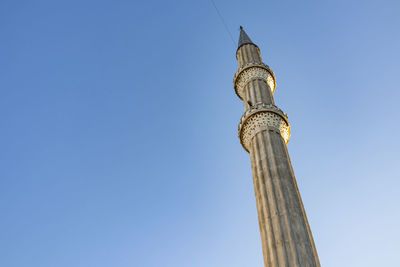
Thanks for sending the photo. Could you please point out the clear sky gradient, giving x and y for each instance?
(119, 142)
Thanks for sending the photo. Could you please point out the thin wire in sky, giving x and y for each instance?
(223, 22)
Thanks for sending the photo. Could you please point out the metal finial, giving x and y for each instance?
(244, 38)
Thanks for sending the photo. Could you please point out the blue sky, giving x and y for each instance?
(119, 130)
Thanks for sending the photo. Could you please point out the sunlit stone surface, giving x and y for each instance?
(264, 132)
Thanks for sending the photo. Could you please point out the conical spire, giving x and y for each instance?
(244, 38)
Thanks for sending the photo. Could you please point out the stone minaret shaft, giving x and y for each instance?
(264, 132)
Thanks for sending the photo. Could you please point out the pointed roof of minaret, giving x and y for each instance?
(244, 38)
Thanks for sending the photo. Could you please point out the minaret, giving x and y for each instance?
(264, 132)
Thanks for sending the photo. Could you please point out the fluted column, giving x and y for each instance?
(264, 132)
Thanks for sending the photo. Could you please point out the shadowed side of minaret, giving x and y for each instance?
(264, 132)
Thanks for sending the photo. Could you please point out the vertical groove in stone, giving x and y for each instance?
(253, 56)
(267, 98)
(256, 93)
(246, 97)
(247, 93)
(245, 56)
(286, 197)
(259, 56)
(270, 202)
(263, 213)
(272, 199)
(248, 53)
(260, 88)
(240, 57)
(299, 226)
(251, 94)
(259, 97)
(268, 92)
(265, 206)
(253, 53)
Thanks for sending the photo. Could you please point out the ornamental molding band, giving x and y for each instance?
(253, 71)
(260, 118)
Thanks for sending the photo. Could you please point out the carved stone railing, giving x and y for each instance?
(261, 117)
(253, 71)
